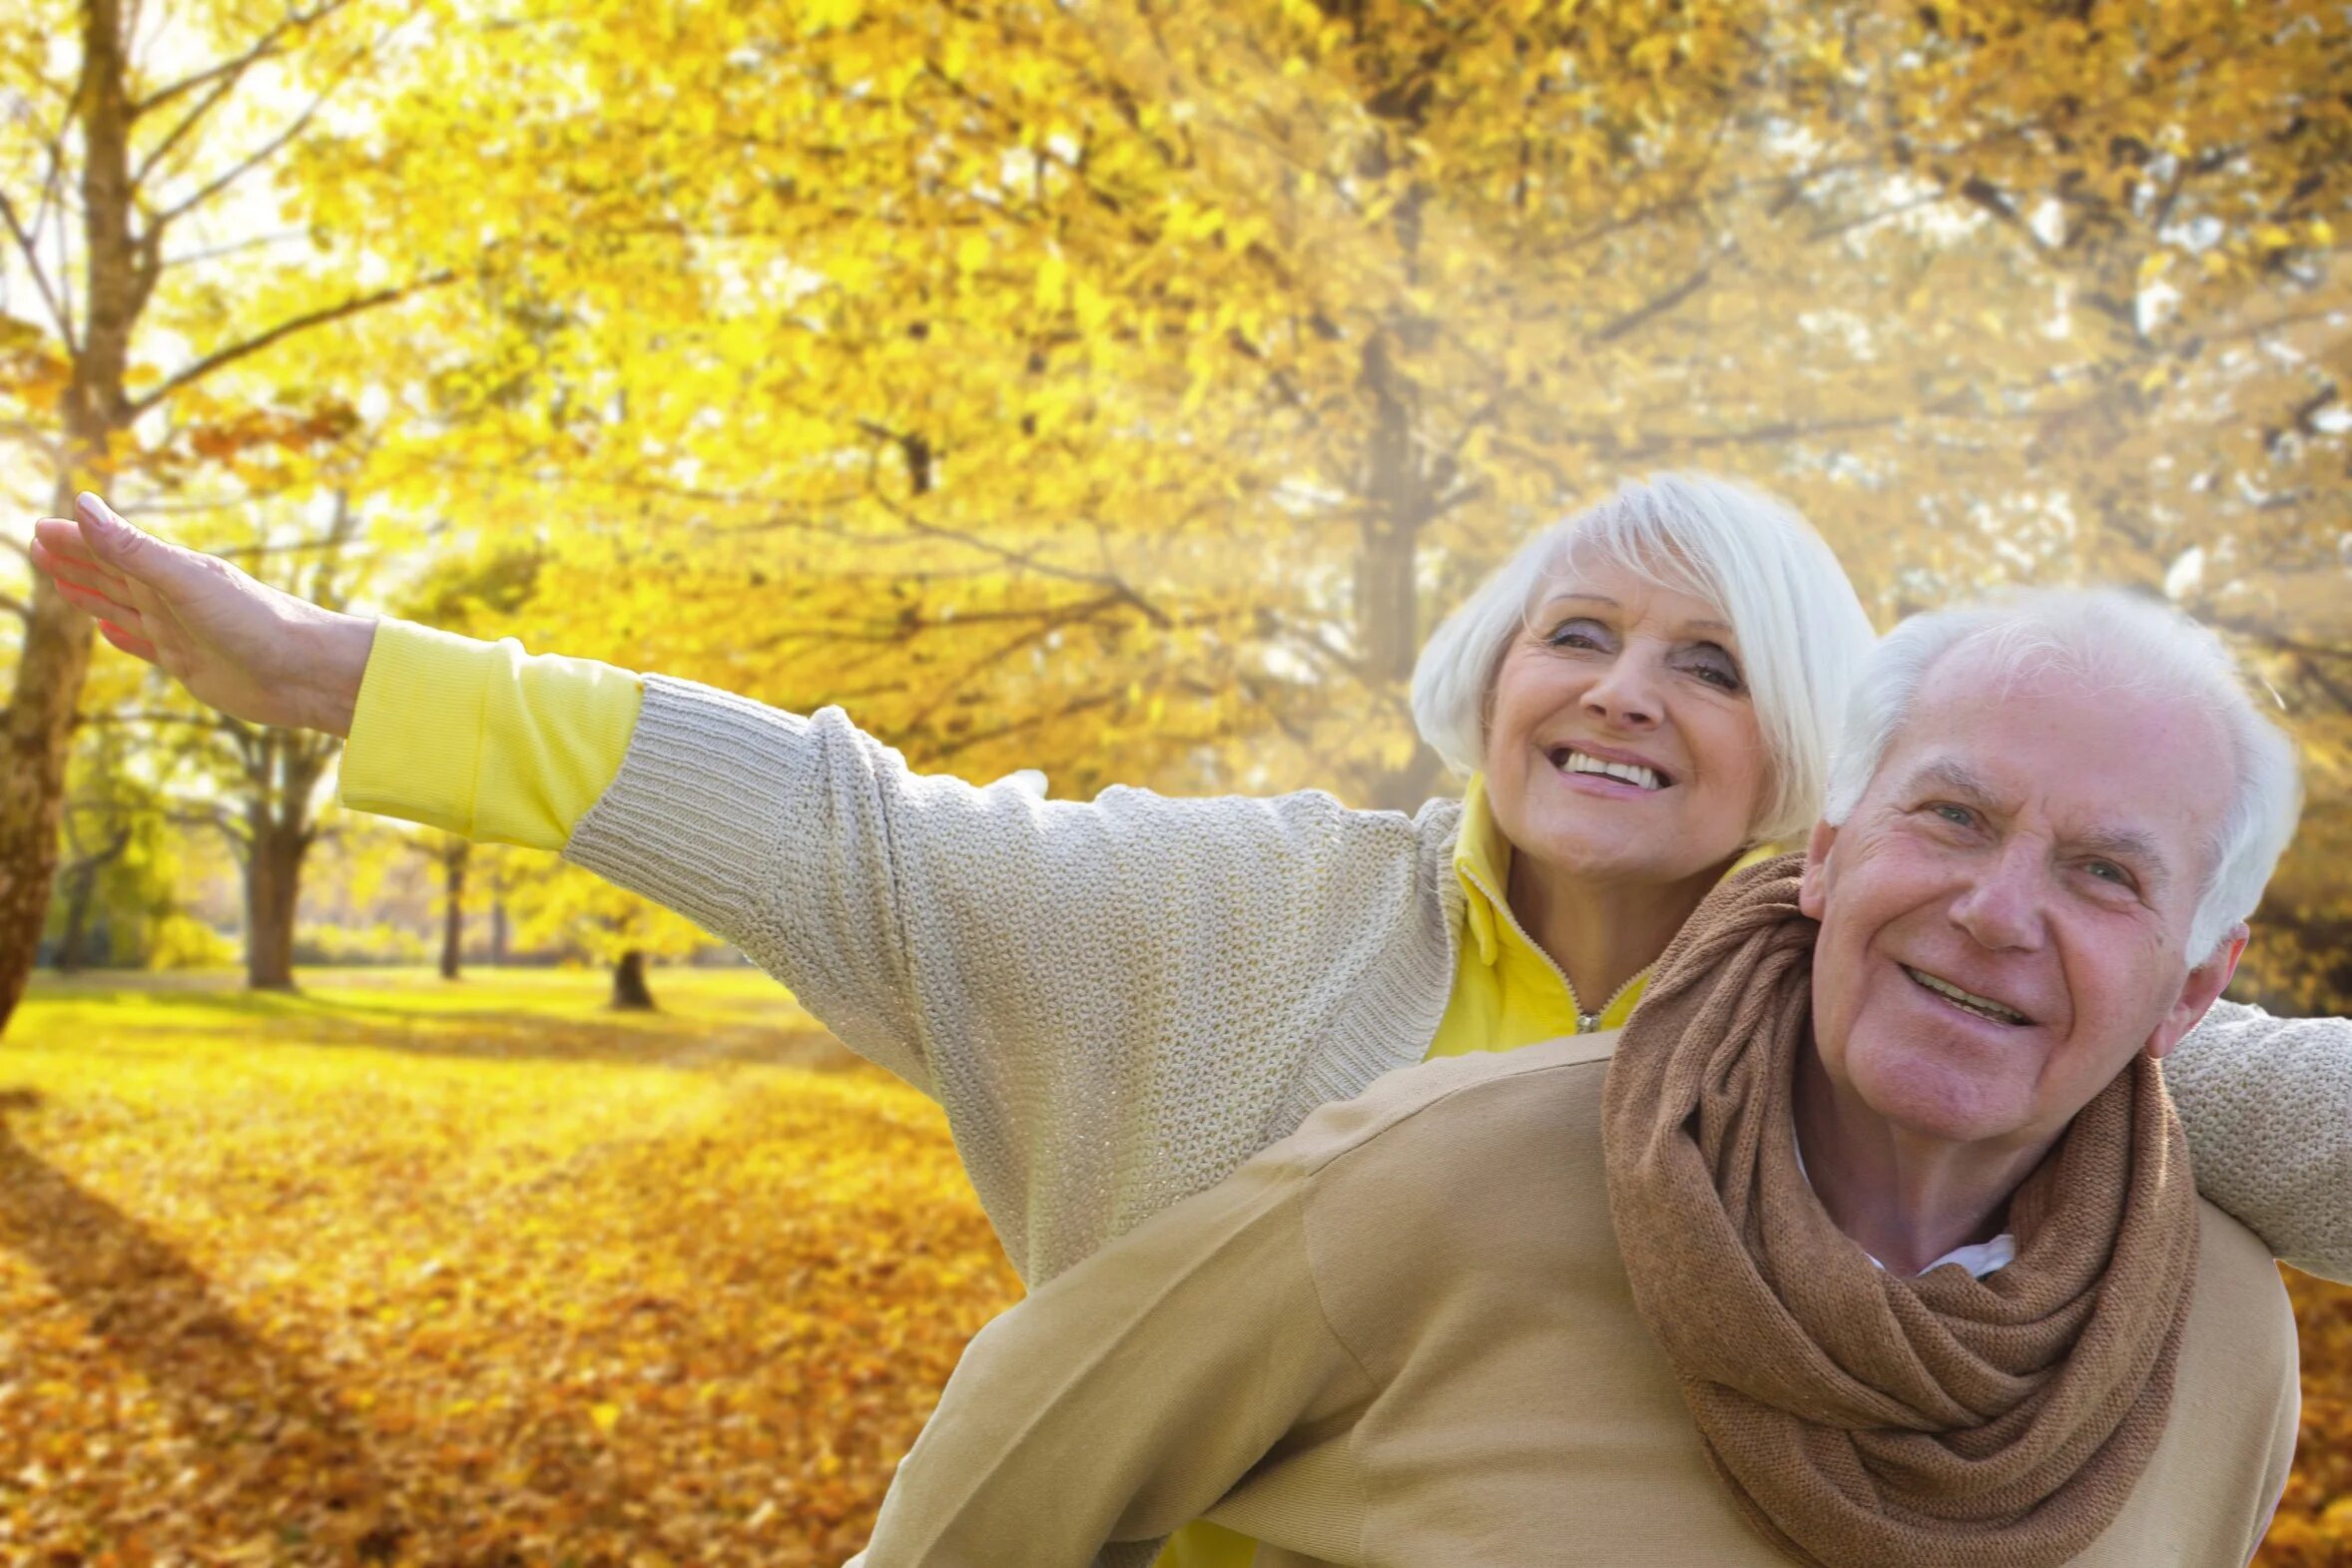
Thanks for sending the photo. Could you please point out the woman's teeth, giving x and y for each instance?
(1982, 1006)
(1629, 773)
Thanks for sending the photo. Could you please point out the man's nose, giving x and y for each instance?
(2002, 905)
(1626, 693)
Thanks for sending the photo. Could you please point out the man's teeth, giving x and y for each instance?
(1630, 772)
(1984, 1006)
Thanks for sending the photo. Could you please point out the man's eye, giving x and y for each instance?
(1957, 816)
(2110, 872)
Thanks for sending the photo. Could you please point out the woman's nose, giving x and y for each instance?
(1625, 694)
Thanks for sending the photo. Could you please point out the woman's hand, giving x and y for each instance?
(237, 645)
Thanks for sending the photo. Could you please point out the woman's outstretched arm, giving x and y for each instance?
(1117, 1001)
(2267, 1106)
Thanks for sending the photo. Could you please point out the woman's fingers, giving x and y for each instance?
(135, 646)
(82, 573)
(62, 538)
(102, 606)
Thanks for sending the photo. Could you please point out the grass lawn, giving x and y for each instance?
(394, 1271)
(406, 1272)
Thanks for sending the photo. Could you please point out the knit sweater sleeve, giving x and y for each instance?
(1111, 998)
(1131, 1393)
(2267, 1105)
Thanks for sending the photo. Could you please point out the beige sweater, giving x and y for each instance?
(1402, 1336)
(1118, 1001)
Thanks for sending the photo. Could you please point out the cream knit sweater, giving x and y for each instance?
(1119, 1001)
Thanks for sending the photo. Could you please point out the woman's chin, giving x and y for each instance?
(1589, 855)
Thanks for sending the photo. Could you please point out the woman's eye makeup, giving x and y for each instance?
(1578, 631)
(1713, 665)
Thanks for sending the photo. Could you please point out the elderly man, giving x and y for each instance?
(1874, 1242)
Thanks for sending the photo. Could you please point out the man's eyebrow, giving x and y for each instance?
(1957, 778)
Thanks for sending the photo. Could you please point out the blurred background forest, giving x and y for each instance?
(1104, 387)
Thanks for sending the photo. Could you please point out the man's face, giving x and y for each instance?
(2003, 915)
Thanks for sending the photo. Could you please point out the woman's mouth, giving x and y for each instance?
(1569, 759)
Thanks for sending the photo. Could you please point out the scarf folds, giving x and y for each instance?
(1859, 1418)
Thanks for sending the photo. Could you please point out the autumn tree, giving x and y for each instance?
(150, 286)
(1124, 391)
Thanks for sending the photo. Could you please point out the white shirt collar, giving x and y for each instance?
(1977, 1258)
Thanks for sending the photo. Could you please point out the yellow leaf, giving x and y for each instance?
(606, 1417)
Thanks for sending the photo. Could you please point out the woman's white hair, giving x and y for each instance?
(1800, 629)
(2116, 642)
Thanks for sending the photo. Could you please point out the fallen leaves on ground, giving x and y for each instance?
(269, 1301)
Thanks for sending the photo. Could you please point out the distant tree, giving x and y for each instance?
(134, 137)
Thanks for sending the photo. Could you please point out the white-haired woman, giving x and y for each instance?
(1118, 1001)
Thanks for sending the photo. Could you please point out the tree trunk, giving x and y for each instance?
(453, 908)
(273, 883)
(498, 930)
(628, 989)
(80, 890)
(37, 729)
(1404, 497)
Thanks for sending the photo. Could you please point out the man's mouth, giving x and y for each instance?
(1968, 1001)
(1571, 761)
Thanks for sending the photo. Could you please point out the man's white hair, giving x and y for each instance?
(1801, 630)
(2116, 642)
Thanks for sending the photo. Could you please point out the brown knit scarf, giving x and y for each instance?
(1862, 1419)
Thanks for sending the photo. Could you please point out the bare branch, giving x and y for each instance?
(355, 305)
(1656, 307)
(254, 159)
(233, 248)
(32, 254)
(1117, 587)
(218, 80)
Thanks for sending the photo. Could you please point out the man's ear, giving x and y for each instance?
(1813, 886)
(2203, 985)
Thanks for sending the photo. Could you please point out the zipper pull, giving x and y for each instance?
(1587, 1022)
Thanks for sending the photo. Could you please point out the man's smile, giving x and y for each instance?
(1967, 1001)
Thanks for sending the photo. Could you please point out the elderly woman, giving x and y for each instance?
(1119, 1001)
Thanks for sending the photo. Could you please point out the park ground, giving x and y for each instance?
(396, 1270)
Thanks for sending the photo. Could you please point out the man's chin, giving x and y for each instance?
(1938, 1099)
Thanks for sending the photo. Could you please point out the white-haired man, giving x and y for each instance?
(1873, 1243)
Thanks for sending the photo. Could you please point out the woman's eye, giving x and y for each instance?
(1715, 666)
(1576, 634)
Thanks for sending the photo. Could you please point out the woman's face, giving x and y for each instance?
(1623, 744)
